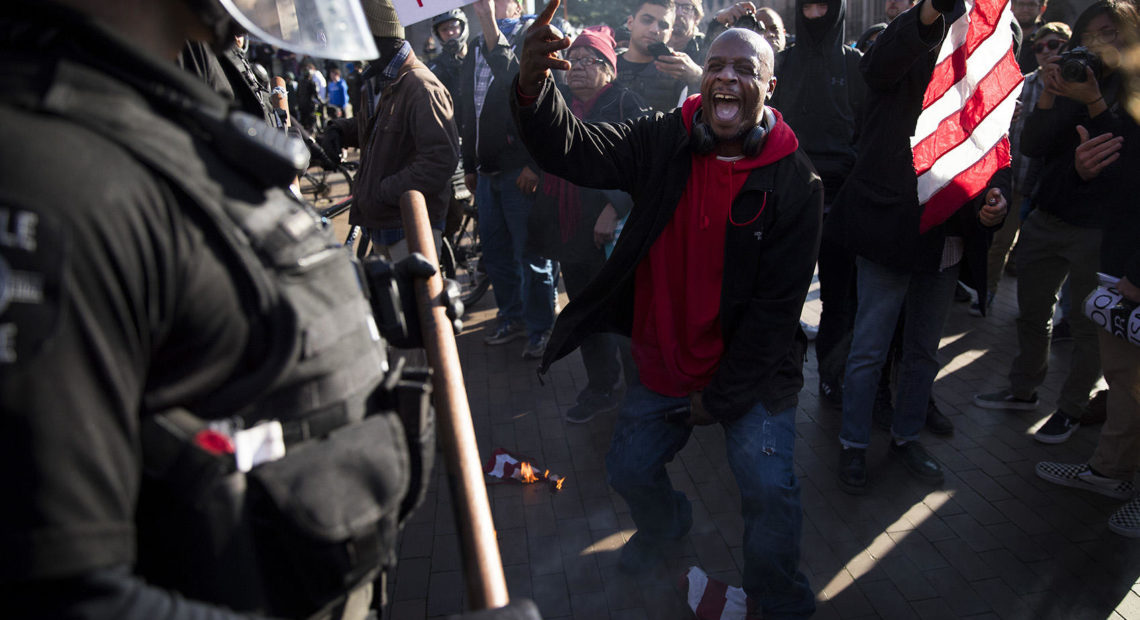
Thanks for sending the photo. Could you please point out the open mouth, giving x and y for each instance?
(725, 107)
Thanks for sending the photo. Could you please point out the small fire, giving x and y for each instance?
(555, 480)
(505, 466)
(526, 473)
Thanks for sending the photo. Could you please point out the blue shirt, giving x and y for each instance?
(338, 93)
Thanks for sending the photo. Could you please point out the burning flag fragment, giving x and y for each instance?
(506, 466)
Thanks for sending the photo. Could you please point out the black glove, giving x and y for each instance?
(943, 6)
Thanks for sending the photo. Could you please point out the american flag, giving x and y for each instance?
(962, 135)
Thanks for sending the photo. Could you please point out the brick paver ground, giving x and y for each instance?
(994, 541)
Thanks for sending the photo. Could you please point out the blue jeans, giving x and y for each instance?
(759, 446)
(882, 292)
(523, 283)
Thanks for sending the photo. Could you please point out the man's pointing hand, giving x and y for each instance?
(540, 51)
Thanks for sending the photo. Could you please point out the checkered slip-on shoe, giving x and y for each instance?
(1126, 520)
(1080, 476)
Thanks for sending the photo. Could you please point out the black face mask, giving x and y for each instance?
(451, 48)
(387, 46)
(818, 27)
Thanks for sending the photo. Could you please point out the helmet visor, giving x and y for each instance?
(334, 29)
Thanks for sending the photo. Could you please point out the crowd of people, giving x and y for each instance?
(684, 175)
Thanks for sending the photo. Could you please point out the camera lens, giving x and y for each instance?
(1073, 71)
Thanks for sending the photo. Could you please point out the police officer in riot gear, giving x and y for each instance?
(197, 414)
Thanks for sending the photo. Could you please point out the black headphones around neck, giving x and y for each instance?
(703, 139)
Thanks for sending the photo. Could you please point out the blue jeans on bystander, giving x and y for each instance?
(523, 283)
(882, 292)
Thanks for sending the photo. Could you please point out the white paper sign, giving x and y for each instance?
(412, 11)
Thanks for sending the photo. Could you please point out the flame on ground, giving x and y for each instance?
(526, 472)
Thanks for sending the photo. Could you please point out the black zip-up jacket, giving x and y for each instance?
(768, 263)
(1052, 135)
(876, 213)
(820, 93)
(497, 148)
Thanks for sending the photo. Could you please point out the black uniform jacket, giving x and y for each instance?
(876, 213)
(768, 263)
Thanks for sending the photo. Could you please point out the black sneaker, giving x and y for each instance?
(1126, 520)
(1005, 400)
(853, 470)
(506, 332)
(937, 422)
(918, 461)
(536, 346)
(1057, 429)
(590, 404)
(831, 393)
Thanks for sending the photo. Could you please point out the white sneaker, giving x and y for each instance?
(1081, 476)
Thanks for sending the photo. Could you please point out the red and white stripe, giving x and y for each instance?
(502, 464)
(711, 599)
(962, 135)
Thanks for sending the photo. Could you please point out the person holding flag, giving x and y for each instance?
(927, 189)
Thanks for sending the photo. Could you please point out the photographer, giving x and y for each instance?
(764, 21)
(1062, 236)
(1113, 159)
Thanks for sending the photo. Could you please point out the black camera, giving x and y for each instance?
(748, 21)
(658, 48)
(1074, 62)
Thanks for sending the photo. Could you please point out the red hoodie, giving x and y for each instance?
(677, 342)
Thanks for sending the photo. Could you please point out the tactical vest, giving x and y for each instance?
(294, 534)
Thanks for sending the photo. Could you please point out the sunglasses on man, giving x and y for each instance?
(1050, 45)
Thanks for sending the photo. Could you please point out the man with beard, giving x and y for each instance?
(821, 100)
(708, 277)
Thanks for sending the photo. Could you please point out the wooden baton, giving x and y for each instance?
(483, 566)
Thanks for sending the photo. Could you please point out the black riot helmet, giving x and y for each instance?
(443, 18)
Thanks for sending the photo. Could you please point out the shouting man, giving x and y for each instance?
(708, 278)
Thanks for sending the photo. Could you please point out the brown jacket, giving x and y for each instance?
(411, 143)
